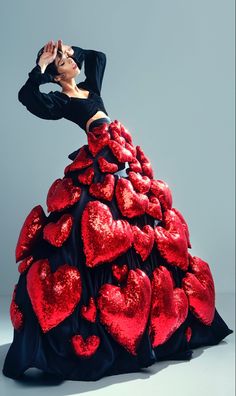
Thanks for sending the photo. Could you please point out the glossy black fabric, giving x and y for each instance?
(55, 104)
(51, 351)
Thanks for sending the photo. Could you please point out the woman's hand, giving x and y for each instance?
(66, 49)
(48, 55)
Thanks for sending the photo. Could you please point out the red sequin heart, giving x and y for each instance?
(143, 240)
(106, 166)
(62, 194)
(120, 272)
(87, 176)
(96, 143)
(140, 183)
(154, 207)
(85, 348)
(169, 307)
(200, 289)
(120, 152)
(57, 233)
(89, 312)
(25, 264)
(135, 166)
(171, 240)
(103, 237)
(104, 189)
(121, 129)
(130, 202)
(81, 161)
(17, 317)
(162, 191)
(124, 310)
(131, 148)
(185, 225)
(30, 232)
(145, 162)
(54, 295)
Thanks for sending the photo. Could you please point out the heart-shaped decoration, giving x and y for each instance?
(135, 166)
(106, 166)
(53, 295)
(81, 161)
(96, 143)
(121, 129)
(200, 289)
(143, 240)
(169, 306)
(85, 348)
(57, 233)
(104, 189)
(87, 176)
(17, 317)
(89, 312)
(62, 194)
(171, 240)
(124, 310)
(117, 137)
(130, 202)
(145, 163)
(162, 191)
(140, 183)
(154, 207)
(120, 152)
(30, 232)
(185, 225)
(131, 148)
(120, 272)
(22, 267)
(104, 238)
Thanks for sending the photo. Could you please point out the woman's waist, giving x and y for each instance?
(97, 119)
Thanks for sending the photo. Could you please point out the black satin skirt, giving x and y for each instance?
(107, 284)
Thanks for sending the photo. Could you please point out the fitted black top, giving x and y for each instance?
(55, 104)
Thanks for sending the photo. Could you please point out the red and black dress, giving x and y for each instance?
(107, 283)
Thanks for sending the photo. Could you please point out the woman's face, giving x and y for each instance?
(66, 67)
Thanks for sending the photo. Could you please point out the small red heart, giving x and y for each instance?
(169, 306)
(106, 166)
(81, 161)
(145, 162)
(57, 233)
(121, 129)
(30, 232)
(87, 176)
(104, 189)
(25, 264)
(120, 272)
(96, 143)
(162, 191)
(130, 202)
(200, 289)
(124, 310)
(53, 295)
(185, 225)
(85, 348)
(120, 152)
(140, 183)
(131, 148)
(143, 240)
(135, 166)
(89, 312)
(154, 207)
(17, 317)
(171, 240)
(62, 194)
(104, 238)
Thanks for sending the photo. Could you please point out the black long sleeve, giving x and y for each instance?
(49, 106)
(94, 67)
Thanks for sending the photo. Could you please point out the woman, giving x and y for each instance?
(107, 284)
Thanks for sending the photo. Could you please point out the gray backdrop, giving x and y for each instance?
(169, 78)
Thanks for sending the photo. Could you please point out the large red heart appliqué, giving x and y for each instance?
(62, 194)
(154, 207)
(57, 233)
(140, 183)
(120, 152)
(104, 238)
(185, 225)
(171, 240)
(53, 295)
(200, 289)
(30, 232)
(124, 310)
(81, 161)
(85, 348)
(169, 307)
(143, 240)
(87, 176)
(104, 189)
(96, 143)
(130, 202)
(162, 191)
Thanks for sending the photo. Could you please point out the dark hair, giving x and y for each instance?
(51, 69)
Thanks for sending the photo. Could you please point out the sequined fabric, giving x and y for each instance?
(107, 284)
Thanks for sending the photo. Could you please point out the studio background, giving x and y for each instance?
(169, 79)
